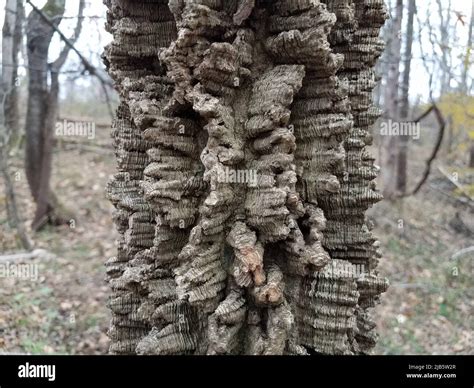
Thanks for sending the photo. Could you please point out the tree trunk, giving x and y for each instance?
(243, 176)
(43, 100)
(402, 161)
(464, 87)
(445, 44)
(38, 134)
(391, 101)
(471, 154)
(11, 202)
(9, 118)
(11, 44)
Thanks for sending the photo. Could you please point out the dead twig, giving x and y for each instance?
(92, 70)
(442, 125)
(462, 252)
(76, 143)
(455, 183)
(461, 200)
(88, 66)
(24, 256)
(97, 149)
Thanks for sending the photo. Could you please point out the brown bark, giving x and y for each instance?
(243, 176)
(471, 155)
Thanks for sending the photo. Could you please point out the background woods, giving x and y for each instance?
(56, 155)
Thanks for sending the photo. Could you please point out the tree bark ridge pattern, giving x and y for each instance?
(283, 263)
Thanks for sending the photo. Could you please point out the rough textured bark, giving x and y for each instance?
(278, 90)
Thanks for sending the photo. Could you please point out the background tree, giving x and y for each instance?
(11, 43)
(404, 100)
(464, 85)
(12, 33)
(445, 13)
(464, 81)
(42, 105)
(390, 144)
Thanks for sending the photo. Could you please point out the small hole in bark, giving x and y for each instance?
(312, 352)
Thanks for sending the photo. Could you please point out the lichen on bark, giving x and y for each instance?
(281, 90)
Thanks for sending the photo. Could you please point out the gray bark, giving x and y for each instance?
(391, 100)
(467, 61)
(43, 105)
(402, 159)
(445, 45)
(465, 87)
(11, 202)
(11, 44)
(210, 263)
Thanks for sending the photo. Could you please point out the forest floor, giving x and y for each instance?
(427, 310)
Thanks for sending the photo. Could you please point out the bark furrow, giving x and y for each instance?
(243, 177)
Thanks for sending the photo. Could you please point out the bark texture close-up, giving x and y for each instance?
(243, 176)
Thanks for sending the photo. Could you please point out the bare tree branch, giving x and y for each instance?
(88, 66)
(442, 125)
(59, 62)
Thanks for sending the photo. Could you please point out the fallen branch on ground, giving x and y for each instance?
(462, 200)
(455, 183)
(24, 256)
(462, 252)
